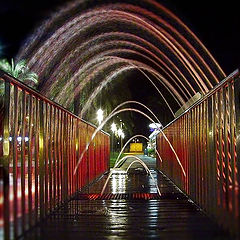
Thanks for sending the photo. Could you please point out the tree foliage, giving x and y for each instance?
(20, 71)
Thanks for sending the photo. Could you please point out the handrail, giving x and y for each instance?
(206, 139)
(235, 74)
(31, 90)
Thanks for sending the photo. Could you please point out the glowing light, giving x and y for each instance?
(120, 133)
(100, 115)
(155, 125)
(114, 127)
(19, 139)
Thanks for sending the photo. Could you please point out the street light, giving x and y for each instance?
(120, 132)
(99, 115)
(114, 127)
(121, 135)
(114, 130)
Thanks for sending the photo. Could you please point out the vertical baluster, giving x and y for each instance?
(233, 155)
(237, 149)
(36, 158)
(41, 159)
(58, 160)
(228, 155)
(214, 151)
(46, 160)
(30, 158)
(69, 154)
(194, 158)
(23, 160)
(223, 157)
(61, 149)
(50, 158)
(205, 160)
(15, 161)
(54, 169)
(65, 143)
(219, 152)
(5, 161)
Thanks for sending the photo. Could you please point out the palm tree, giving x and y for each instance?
(19, 71)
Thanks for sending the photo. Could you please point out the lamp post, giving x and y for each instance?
(121, 124)
(121, 135)
(114, 129)
(99, 115)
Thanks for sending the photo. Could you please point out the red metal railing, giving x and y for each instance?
(206, 139)
(40, 143)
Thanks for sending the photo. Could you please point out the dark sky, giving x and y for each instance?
(216, 23)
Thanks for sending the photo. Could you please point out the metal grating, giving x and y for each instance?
(129, 196)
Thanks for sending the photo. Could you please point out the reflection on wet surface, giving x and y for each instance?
(172, 216)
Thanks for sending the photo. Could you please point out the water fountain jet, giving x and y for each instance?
(112, 114)
(138, 160)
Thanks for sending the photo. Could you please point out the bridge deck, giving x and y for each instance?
(127, 214)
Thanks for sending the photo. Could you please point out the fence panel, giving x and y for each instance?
(206, 140)
(40, 144)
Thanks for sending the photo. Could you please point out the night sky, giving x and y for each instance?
(216, 24)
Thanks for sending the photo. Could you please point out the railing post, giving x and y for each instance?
(237, 120)
(23, 161)
(15, 159)
(41, 158)
(65, 156)
(211, 155)
(5, 162)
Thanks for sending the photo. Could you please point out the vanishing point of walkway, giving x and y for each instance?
(129, 209)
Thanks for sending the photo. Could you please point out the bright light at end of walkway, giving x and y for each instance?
(100, 115)
(120, 133)
(113, 127)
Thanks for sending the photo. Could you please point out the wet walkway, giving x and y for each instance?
(135, 213)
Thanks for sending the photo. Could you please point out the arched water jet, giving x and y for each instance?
(142, 163)
(165, 22)
(128, 14)
(143, 105)
(102, 84)
(104, 53)
(130, 165)
(129, 140)
(158, 154)
(112, 115)
(153, 85)
(117, 60)
(140, 9)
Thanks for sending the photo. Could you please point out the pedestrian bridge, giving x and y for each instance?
(197, 174)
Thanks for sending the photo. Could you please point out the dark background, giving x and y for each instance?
(216, 24)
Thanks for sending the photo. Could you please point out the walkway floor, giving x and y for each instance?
(173, 216)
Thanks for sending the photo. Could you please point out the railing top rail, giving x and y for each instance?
(6, 77)
(211, 92)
